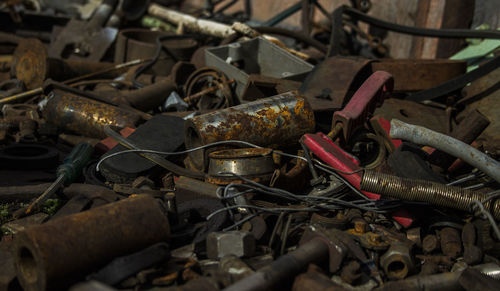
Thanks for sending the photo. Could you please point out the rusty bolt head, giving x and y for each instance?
(430, 243)
(397, 262)
(451, 243)
(238, 243)
(360, 226)
(415, 235)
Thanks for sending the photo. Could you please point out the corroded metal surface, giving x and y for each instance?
(397, 262)
(30, 63)
(483, 95)
(85, 116)
(412, 112)
(273, 121)
(451, 244)
(58, 250)
(331, 84)
(415, 74)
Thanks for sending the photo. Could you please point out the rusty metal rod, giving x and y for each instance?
(195, 97)
(284, 268)
(27, 192)
(40, 90)
(106, 70)
(55, 254)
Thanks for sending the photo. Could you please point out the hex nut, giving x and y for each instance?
(397, 262)
(451, 242)
(238, 243)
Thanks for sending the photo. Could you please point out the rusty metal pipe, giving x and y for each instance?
(274, 121)
(284, 268)
(151, 96)
(85, 116)
(10, 194)
(53, 254)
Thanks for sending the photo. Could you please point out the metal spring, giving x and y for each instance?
(425, 191)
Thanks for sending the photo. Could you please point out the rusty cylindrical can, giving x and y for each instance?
(274, 121)
(85, 116)
(51, 255)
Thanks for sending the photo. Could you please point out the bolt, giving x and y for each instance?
(360, 226)
(451, 244)
(430, 243)
(238, 243)
(415, 235)
(397, 262)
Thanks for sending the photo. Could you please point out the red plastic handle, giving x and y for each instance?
(322, 147)
(362, 104)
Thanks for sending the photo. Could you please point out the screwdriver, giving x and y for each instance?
(70, 169)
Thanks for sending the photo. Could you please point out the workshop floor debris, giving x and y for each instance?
(191, 145)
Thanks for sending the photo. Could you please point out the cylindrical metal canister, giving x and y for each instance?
(53, 254)
(85, 116)
(256, 164)
(274, 121)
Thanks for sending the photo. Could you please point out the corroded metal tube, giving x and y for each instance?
(85, 116)
(53, 254)
(274, 121)
(425, 191)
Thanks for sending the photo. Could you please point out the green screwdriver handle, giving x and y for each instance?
(73, 164)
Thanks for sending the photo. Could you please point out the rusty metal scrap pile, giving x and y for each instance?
(148, 145)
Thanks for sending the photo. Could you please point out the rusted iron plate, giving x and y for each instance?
(416, 75)
(331, 83)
